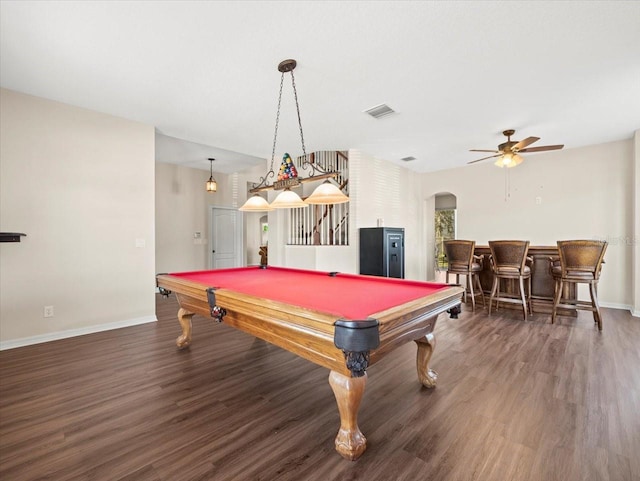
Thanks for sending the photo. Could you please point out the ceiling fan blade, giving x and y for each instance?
(484, 158)
(523, 143)
(543, 148)
(483, 150)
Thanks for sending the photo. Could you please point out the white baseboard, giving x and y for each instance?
(626, 307)
(615, 305)
(54, 336)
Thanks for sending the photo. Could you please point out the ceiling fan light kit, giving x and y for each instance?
(508, 160)
(508, 151)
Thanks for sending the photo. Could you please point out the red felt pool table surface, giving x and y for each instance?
(344, 295)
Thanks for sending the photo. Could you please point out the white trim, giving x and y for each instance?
(54, 336)
(615, 305)
(635, 313)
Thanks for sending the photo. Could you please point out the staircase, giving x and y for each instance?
(323, 224)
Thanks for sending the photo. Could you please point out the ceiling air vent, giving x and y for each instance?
(379, 111)
(408, 159)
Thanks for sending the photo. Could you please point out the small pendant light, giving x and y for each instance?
(212, 185)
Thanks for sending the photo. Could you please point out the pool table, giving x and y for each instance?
(344, 322)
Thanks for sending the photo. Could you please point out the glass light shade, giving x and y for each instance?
(327, 193)
(287, 199)
(509, 160)
(256, 203)
(212, 185)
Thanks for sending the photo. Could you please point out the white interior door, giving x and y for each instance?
(226, 238)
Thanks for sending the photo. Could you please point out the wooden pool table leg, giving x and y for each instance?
(350, 442)
(426, 345)
(184, 317)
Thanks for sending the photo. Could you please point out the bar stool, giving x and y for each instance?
(580, 262)
(462, 262)
(509, 261)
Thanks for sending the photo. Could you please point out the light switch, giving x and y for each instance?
(140, 243)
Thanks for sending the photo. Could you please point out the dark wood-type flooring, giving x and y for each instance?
(515, 400)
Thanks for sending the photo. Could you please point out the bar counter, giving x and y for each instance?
(542, 285)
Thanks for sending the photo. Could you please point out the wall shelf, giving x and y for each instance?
(11, 236)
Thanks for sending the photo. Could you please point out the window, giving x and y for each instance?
(445, 229)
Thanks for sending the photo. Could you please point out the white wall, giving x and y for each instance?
(182, 209)
(382, 190)
(585, 193)
(322, 258)
(80, 184)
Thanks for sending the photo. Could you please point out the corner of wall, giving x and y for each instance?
(635, 248)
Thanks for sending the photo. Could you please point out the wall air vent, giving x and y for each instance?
(408, 159)
(378, 111)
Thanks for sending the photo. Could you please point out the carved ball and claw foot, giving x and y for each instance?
(350, 442)
(183, 341)
(428, 377)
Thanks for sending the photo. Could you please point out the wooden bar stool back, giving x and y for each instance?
(509, 260)
(580, 262)
(462, 262)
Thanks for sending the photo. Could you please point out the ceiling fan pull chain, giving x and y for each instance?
(507, 184)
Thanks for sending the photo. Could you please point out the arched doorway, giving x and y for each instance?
(444, 228)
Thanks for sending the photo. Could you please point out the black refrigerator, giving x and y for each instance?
(382, 251)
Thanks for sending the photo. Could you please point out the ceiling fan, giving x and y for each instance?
(508, 151)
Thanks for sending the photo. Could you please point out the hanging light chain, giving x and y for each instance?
(295, 94)
(275, 133)
(271, 173)
(315, 168)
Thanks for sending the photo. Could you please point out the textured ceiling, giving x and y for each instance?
(457, 73)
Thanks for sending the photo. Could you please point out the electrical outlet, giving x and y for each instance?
(48, 311)
(538, 200)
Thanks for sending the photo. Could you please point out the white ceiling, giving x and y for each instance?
(457, 73)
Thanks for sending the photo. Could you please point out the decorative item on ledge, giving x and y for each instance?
(212, 185)
(288, 174)
(11, 236)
